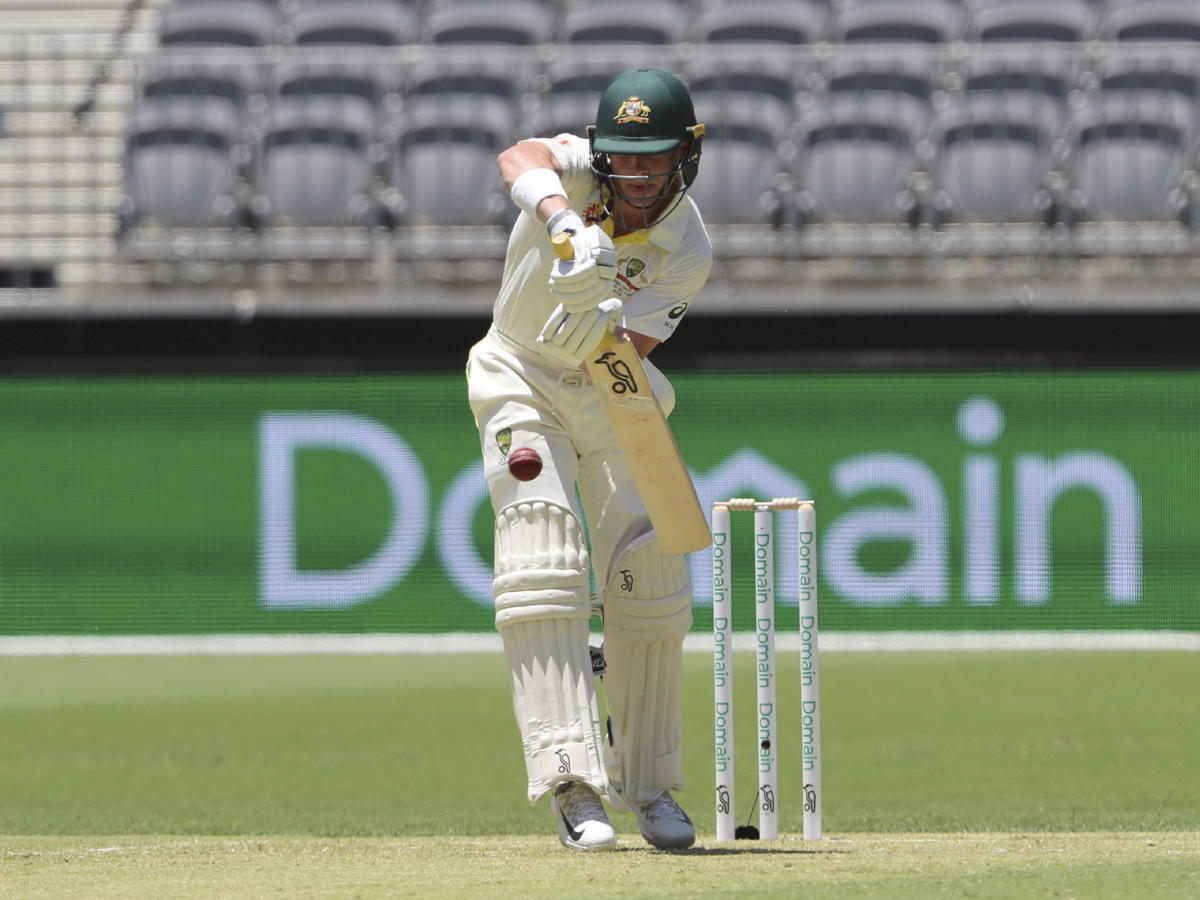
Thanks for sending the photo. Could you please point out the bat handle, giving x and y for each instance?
(562, 246)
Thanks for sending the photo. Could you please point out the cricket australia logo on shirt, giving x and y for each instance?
(504, 440)
(633, 110)
(631, 276)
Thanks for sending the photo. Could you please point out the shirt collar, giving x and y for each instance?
(667, 232)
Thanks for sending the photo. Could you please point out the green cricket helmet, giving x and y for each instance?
(645, 111)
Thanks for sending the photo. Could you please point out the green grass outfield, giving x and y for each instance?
(995, 774)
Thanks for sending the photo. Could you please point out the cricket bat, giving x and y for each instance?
(646, 439)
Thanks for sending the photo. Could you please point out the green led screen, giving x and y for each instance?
(346, 503)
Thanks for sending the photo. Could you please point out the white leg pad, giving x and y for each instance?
(647, 612)
(542, 609)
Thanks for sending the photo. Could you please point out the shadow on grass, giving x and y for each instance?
(742, 849)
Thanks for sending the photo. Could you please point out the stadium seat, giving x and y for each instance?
(509, 22)
(899, 21)
(315, 162)
(991, 157)
(740, 169)
(444, 163)
(1152, 77)
(657, 22)
(180, 164)
(1038, 79)
(1153, 20)
(168, 78)
(365, 84)
(570, 95)
(766, 87)
(562, 112)
(769, 21)
(899, 86)
(1033, 21)
(1128, 158)
(456, 117)
(380, 23)
(218, 23)
(854, 164)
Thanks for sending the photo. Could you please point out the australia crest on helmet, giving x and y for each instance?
(635, 109)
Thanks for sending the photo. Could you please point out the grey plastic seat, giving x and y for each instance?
(762, 21)
(365, 84)
(570, 99)
(991, 158)
(765, 86)
(519, 23)
(461, 84)
(747, 110)
(444, 162)
(1153, 20)
(169, 78)
(894, 86)
(315, 163)
(218, 23)
(1149, 78)
(458, 74)
(1033, 21)
(379, 23)
(180, 165)
(562, 113)
(899, 21)
(656, 22)
(740, 165)
(854, 164)
(1128, 158)
(1040, 78)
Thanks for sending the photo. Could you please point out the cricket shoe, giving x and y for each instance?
(664, 824)
(582, 822)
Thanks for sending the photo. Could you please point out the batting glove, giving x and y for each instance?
(570, 337)
(586, 280)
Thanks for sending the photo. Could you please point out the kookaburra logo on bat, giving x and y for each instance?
(623, 380)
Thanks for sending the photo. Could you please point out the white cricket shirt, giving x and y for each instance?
(659, 270)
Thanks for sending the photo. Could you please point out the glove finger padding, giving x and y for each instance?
(586, 334)
(571, 336)
(582, 282)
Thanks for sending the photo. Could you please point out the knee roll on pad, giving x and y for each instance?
(649, 596)
(543, 606)
(541, 563)
(647, 612)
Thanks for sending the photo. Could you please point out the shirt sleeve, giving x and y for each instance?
(657, 309)
(574, 156)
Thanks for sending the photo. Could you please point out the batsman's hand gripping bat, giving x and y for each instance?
(646, 439)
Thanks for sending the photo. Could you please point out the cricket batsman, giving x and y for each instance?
(640, 256)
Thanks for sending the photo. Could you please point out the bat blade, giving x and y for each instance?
(650, 448)
(649, 445)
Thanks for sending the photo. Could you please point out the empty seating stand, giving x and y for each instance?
(912, 117)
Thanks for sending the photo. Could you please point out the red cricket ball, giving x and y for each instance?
(525, 464)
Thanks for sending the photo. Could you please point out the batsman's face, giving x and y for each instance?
(642, 178)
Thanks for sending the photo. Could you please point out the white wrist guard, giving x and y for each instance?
(534, 186)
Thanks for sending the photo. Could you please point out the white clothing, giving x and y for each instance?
(659, 271)
(523, 397)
